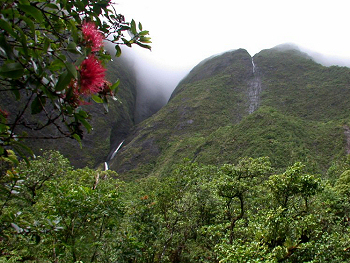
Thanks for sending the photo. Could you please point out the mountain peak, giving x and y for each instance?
(232, 105)
(219, 64)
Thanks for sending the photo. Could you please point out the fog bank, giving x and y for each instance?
(323, 59)
(155, 81)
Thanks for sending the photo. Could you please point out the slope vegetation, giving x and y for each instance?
(279, 104)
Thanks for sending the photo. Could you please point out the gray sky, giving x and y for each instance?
(184, 32)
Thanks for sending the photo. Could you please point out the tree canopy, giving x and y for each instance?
(50, 212)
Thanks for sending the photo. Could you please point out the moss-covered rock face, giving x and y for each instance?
(294, 84)
(280, 103)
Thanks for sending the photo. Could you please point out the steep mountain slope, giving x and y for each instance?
(191, 111)
(279, 104)
(296, 85)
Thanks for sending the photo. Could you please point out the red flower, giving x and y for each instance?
(106, 88)
(92, 75)
(93, 37)
(73, 97)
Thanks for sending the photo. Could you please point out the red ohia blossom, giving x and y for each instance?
(92, 37)
(92, 75)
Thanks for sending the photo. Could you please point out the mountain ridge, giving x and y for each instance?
(215, 95)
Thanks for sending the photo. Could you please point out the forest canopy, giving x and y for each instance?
(239, 212)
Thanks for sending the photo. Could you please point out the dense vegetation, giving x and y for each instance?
(108, 128)
(302, 115)
(296, 85)
(246, 163)
(53, 65)
(247, 211)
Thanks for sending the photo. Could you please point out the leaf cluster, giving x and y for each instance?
(41, 49)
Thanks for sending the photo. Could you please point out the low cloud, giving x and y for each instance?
(155, 83)
(323, 59)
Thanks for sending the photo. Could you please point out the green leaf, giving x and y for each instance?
(30, 24)
(23, 41)
(140, 26)
(144, 45)
(77, 137)
(127, 42)
(133, 27)
(7, 27)
(145, 39)
(46, 44)
(37, 105)
(96, 98)
(80, 60)
(87, 125)
(18, 147)
(12, 70)
(115, 85)
(48, 92)
(13, 159)
(25, 147)
(24, 2)
(119, 51)
(63, 81)
(72, 47)
(52, 6)
(3, 128)
(56, 65)
(32, 11)
(74, 31)
(6, 46)
(72, 70)
(83, 114)
(144, 33)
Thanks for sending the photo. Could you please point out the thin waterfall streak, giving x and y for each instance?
(254, 93)
(254, 90)
(116, 150)
(106, 166)
(253, 65)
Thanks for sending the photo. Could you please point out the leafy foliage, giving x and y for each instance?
(52, 60)
(55, 213)
(197, 213)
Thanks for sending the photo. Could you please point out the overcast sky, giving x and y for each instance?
(184, 32)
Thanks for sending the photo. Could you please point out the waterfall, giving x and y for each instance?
(253, 65)
(112, 156)
(254, 90)
(116, 150)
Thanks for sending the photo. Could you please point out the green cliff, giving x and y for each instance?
(280, 104)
